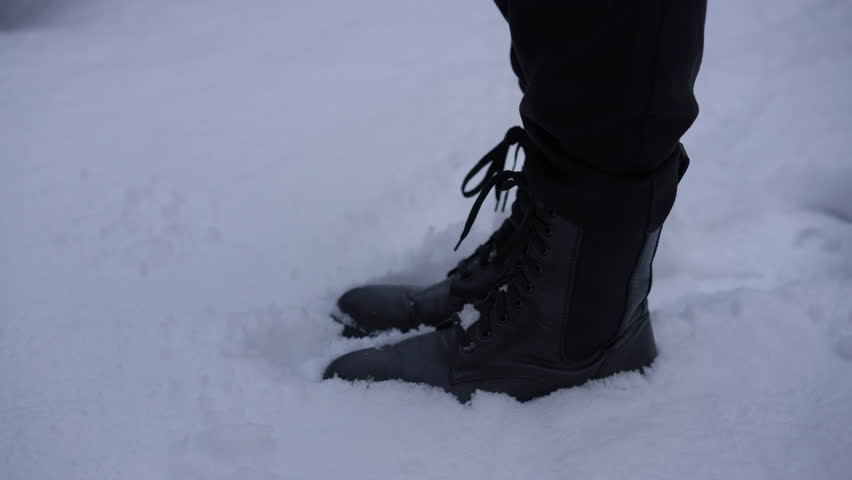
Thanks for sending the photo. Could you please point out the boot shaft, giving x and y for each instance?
(568, 295)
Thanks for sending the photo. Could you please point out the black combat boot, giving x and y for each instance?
(374, 308)
(571, 307)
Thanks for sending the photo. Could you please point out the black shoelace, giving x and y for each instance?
(530, 246)
(493, 249)
(495, 160)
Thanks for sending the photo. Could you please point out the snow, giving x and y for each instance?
(185, 188)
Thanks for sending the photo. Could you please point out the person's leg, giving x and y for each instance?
(607, 95)
(608, 92)
(503, 6)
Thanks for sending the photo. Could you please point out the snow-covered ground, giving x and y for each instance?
(185, 188)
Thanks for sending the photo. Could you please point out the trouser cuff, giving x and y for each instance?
(598, 201)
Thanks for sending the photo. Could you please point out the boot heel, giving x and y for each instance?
(635, 350)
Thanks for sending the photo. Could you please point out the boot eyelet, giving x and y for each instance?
(516, 304)
(485, 336)
(545, 252)
(539, 268)
(503, 318)
(531, 288)
(469, 348)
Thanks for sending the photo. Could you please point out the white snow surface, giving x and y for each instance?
(186, 187)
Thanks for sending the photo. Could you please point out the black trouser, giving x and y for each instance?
(608, 92)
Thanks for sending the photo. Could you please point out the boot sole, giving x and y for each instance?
(635, 350)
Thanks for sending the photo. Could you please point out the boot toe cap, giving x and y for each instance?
(418, 359)
(373, 364)
(378, 307)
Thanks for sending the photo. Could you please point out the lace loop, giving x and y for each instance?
(501, 182)
(495, 159)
